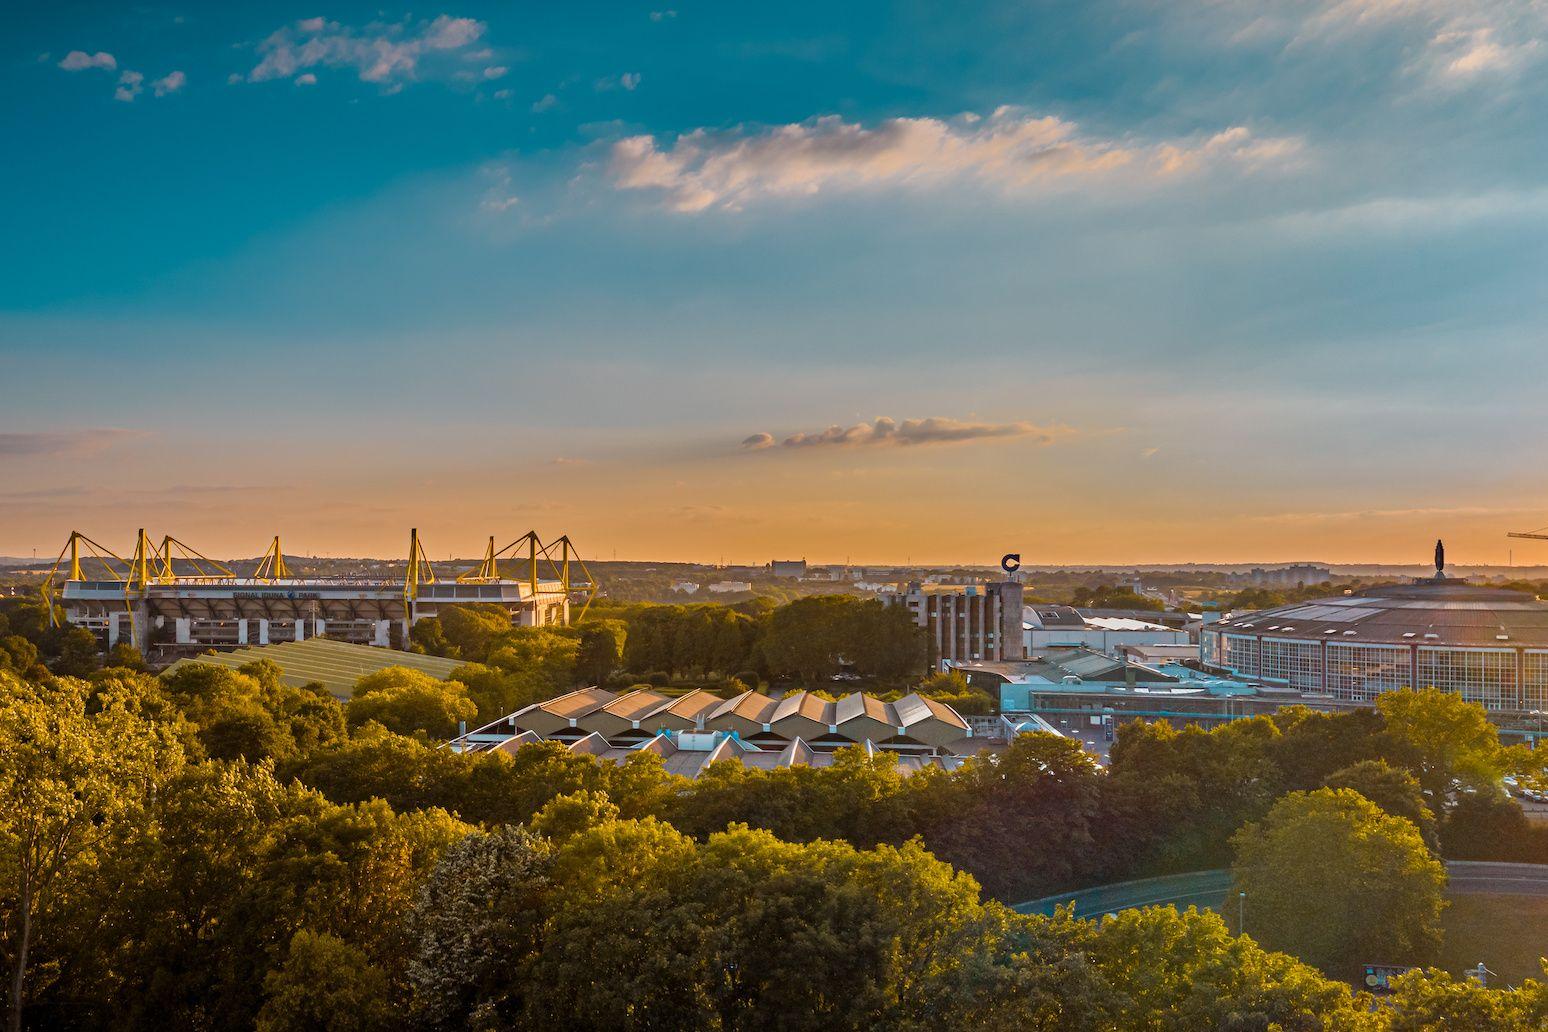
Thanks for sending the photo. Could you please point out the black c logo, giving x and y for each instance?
(1011, 563)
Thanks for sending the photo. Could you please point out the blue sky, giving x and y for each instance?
(1125, 281)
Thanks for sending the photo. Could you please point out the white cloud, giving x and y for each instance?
(495, 72)
(1448, 42)
(1011, 148)
(628, 81)
(657, 16)
(908, 433)
(381, 53)
(499, 196)
(130, 85)
(78, 60)
(1472, 53)
(169, 83)
(306, 79)
(545, 102)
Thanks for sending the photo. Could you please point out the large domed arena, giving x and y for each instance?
(1489, 645)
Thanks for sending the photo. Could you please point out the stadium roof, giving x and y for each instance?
(336, 665)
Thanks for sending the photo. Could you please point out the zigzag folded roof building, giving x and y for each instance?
(692, 731)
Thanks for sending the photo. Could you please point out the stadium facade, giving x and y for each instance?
(1488, 645)
(176, 600)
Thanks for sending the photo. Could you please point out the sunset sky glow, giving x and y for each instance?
(1101, 282)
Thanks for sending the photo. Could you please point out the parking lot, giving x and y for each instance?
(1080, 728)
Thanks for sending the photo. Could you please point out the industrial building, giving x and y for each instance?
(175, 599)
(1084, 683)
(1052, 626)
(966, 623)
(1489, 645)
(691, 731)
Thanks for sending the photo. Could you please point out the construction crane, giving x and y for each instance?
(1535, 535)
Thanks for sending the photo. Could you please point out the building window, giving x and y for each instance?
(1241, 654)
(1359, 673)
(1534, 680)
(1296, 663)
(1486, 676)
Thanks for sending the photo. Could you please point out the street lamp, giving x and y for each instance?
(1241, 910)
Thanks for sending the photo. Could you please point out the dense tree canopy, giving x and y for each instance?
(213, 848)
(1333, 879)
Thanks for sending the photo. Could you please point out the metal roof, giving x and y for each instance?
(1455, 612)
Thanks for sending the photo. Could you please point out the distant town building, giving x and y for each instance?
(1290, 576)
(788, 568)
(686, 587)
(966, 622)
(1046, 626)
(730, 587)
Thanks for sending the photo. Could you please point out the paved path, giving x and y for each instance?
(1208, 889)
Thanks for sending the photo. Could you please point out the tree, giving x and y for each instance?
(601, 650)
(405, 701)
(251, 713)
(1021, 822)
(1447, 742)
(806, 638)
(1164, 970)
(1394, 790)
(1175, 795)
(18, 654)
(1334, 880)
(1483, 827)
(206, 896)
(70, 779)
(567, 815)
(78, 653)
(1434, 1001)
(475, 922)
(471, 629)
(325, 983)
(1312, 744)
(126, 656)
(427, 636)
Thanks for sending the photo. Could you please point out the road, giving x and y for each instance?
(1207, 889)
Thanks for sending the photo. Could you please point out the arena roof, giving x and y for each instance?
(1427, 612)
(336, 665)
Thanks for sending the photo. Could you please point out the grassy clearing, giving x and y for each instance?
(1507, 933)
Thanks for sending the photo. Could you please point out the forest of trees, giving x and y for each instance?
(809, 641)
(215, 849)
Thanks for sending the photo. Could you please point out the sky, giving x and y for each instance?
(1112, 281)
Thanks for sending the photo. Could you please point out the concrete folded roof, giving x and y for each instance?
(692, 762)
(800, 715)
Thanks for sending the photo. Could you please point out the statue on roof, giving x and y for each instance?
(1440, 558)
